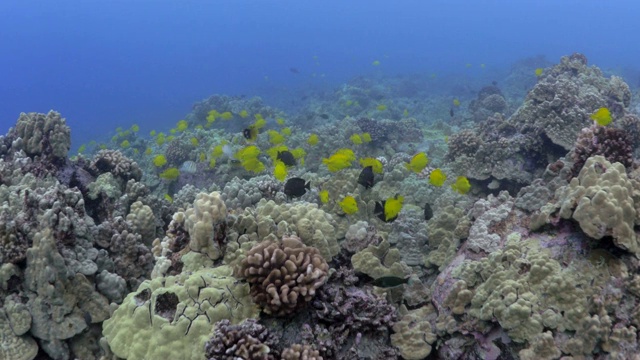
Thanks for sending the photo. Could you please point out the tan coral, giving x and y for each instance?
(143, 221)
(604, 201)
(300, 352)
(206, 224)
(283, 275)
(414, 334)
(379, 261)
(314, 226)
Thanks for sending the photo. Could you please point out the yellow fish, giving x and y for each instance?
(375, 63)
(324, 196)
(461, 185)
(418, 162)
(280, 171)
(539, 71)
(356, 139)
(349, 205)
(437, 177)
(602, 117)
(456, 102)
(381, 107)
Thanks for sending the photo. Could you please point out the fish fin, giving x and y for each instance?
(308, 185)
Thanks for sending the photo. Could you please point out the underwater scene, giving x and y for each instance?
(319, 180)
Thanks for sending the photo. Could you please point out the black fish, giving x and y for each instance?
(390, 281)
(250, 133)
(451, 112)
(324, 116)
(379, 212)
(366, 177)
(294, 70)
(428, 213)
(287, 158)
(296, 187)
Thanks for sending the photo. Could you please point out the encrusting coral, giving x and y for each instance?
(284, 275)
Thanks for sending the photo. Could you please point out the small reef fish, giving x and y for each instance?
(456, 102)
(286, 157)
(250, 133)
(602, 116)
(437, 177)
(189, 167)
(324, 116)
(539, 72)
(280, 171)
(349, 205)
(296, 187)
(418, 162)
(451, 112)
(388, 210)
(390, 281)
(294, 70)
(324, 196)
(461, 185)
(366, 177)
(428, 213)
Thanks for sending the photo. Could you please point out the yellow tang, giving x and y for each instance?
(456, 102)
(349, 205)
(418, 162)
(539, 71)
(280, 171)
(437, 177)
(324, 196)
(392, 207)
(461, 185)
(602, 117)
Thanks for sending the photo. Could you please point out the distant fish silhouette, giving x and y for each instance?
(451, 112)
(294, 70)
(324, 116)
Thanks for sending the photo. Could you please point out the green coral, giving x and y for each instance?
(173, 317)
(528, 292)
(379, 261)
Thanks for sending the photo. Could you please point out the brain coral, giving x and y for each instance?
(284, 275)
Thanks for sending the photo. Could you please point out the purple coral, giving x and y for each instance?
(249, 340)
(614, 144)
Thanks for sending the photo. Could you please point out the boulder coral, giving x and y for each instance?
(602, 199)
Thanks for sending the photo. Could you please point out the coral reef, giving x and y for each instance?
(516, 150)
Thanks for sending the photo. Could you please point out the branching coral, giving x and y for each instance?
(284, 275)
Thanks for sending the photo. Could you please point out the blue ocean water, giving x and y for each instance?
(105, 64)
